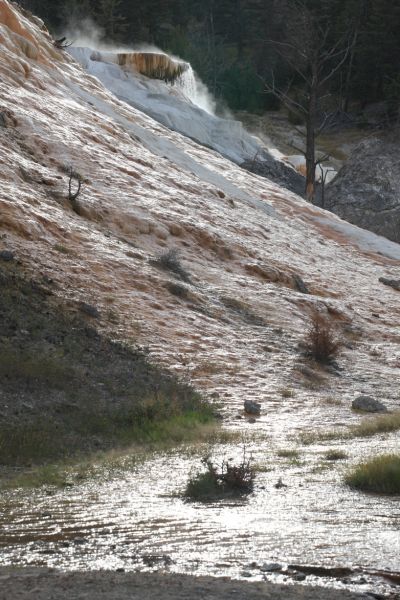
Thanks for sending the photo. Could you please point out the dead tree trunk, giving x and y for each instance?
(310, 140)
(314, 60)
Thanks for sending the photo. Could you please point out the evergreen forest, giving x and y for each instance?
(243, 48)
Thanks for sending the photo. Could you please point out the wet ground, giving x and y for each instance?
(315, 530)
(242, 240)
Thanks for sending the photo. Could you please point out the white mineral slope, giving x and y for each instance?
(235, 328)
(178, 106)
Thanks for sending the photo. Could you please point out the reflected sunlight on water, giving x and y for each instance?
(138, 519)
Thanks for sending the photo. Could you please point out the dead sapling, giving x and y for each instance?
(323, 181)
(75, 180)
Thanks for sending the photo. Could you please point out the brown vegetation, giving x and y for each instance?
(169, 261)
(321, 340)
(226, 480)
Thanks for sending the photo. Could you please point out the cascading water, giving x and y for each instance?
(160, 66)
(195, 90)
(187, 83)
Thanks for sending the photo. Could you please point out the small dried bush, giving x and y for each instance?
(177, 289)
(321, 339)
(334, 455)
(217, 482)
(169, 261)
(288, 453)
(243, 309)
(287, 393)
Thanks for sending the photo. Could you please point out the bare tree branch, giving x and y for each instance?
(319, 161)
(283, 95)
(299, 150)
(74, 176)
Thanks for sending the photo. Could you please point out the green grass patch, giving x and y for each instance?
(178, 429)
(63, 249)
(55, 475)
(380, 474)
(132, 444)
(307, 438)
(34, 369)
(386, 423)
(24, 444)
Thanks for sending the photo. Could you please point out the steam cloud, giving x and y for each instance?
(88, 34)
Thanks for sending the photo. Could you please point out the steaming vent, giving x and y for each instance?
(154, 65)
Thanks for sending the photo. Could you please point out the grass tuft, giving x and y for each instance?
(380, 474)
(332, 401)
(287, 393)
(334, 454)
(288, 453)
(385, 423)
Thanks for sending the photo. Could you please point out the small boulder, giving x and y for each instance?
(89, 310)
(271, 567)
(394, 283)
(6, 255)
(299, 284)
(368, 404)
(253, 565)
(7, 119)
(252, 408)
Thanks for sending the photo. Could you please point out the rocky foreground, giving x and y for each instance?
(43, 584)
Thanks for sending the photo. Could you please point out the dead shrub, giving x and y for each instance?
(218, 482)
(177, 289)
(321, 340)
(169, 261)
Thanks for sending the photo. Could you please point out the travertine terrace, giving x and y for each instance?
(147, 189)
